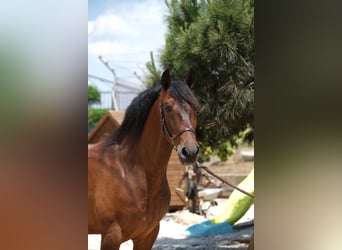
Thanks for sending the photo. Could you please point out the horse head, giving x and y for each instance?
(178, 106)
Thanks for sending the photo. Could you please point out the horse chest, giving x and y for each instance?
(150, 216)
(151, 209)
(155, 202)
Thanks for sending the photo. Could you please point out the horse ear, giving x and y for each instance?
(190, 80)
(166, 79)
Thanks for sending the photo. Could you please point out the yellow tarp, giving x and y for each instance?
(238, 203)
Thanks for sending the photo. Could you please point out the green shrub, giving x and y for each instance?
(95, 115)
(93, 95)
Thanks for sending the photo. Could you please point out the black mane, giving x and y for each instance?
(135, 116)
(137, 112)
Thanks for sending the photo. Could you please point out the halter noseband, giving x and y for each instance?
(167, 132)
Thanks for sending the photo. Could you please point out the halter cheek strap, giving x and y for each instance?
(167, 132)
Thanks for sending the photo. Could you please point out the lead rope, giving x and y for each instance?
(199, 165)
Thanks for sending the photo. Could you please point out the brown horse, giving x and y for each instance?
(128, 192)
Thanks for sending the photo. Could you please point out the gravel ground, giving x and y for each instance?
(173, 224)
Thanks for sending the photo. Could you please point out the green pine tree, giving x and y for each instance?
(216, 39)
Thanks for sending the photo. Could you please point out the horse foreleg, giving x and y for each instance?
(111, 239)
(146, 242)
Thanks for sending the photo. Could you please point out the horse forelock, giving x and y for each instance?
(181, 92)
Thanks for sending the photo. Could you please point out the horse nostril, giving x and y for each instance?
(185, 151)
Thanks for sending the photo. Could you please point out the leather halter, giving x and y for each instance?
(167, 132)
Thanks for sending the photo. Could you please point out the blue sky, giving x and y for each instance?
(124, 33)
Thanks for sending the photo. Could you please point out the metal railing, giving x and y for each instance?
(124, 94)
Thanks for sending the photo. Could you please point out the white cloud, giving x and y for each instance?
(110, 48)
(128, 32)
(90, 27)
(108, 25)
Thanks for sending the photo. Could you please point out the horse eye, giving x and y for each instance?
(168, 109)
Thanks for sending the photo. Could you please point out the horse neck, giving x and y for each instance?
(155, 150)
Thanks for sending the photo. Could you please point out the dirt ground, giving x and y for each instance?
(170, 236)
(239, 163)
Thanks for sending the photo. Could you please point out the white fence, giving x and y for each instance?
(124, 93)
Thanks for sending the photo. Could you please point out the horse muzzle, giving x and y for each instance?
(188, 154)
